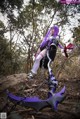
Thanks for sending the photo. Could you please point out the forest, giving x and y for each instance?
(23, 25)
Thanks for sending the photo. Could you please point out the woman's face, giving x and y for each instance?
(52, 32)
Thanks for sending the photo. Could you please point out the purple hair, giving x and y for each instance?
(56, 31)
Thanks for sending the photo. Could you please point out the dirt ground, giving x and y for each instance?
(68, 109)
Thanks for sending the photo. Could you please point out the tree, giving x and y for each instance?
(33, 20)
(6, 5)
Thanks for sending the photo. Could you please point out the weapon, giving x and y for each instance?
(35, 102)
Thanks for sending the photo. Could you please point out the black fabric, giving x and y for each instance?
(55, 41)
(52, 53)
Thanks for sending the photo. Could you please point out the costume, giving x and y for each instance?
(47, 42)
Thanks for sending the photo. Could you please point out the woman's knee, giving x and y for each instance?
(38, 58)
(41, 55)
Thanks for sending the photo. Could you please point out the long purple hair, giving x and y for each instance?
(56, 31)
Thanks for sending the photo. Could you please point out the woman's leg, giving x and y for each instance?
(37, 61)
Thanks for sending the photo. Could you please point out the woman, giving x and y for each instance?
(51, 38)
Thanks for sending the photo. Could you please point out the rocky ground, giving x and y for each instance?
(19, 85)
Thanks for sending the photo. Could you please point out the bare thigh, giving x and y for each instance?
(43, 52)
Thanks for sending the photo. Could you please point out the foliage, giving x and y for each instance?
(10, 4)
(30, 25)
(10, 59)
(77, 35)
(5, 57)
(67, 67)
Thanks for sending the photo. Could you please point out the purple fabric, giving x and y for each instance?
(45, 40)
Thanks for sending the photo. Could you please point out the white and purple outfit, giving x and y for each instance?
(46, 43)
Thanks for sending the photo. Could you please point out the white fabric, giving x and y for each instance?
(37, 61)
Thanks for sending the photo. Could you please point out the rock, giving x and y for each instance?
(12, 80)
